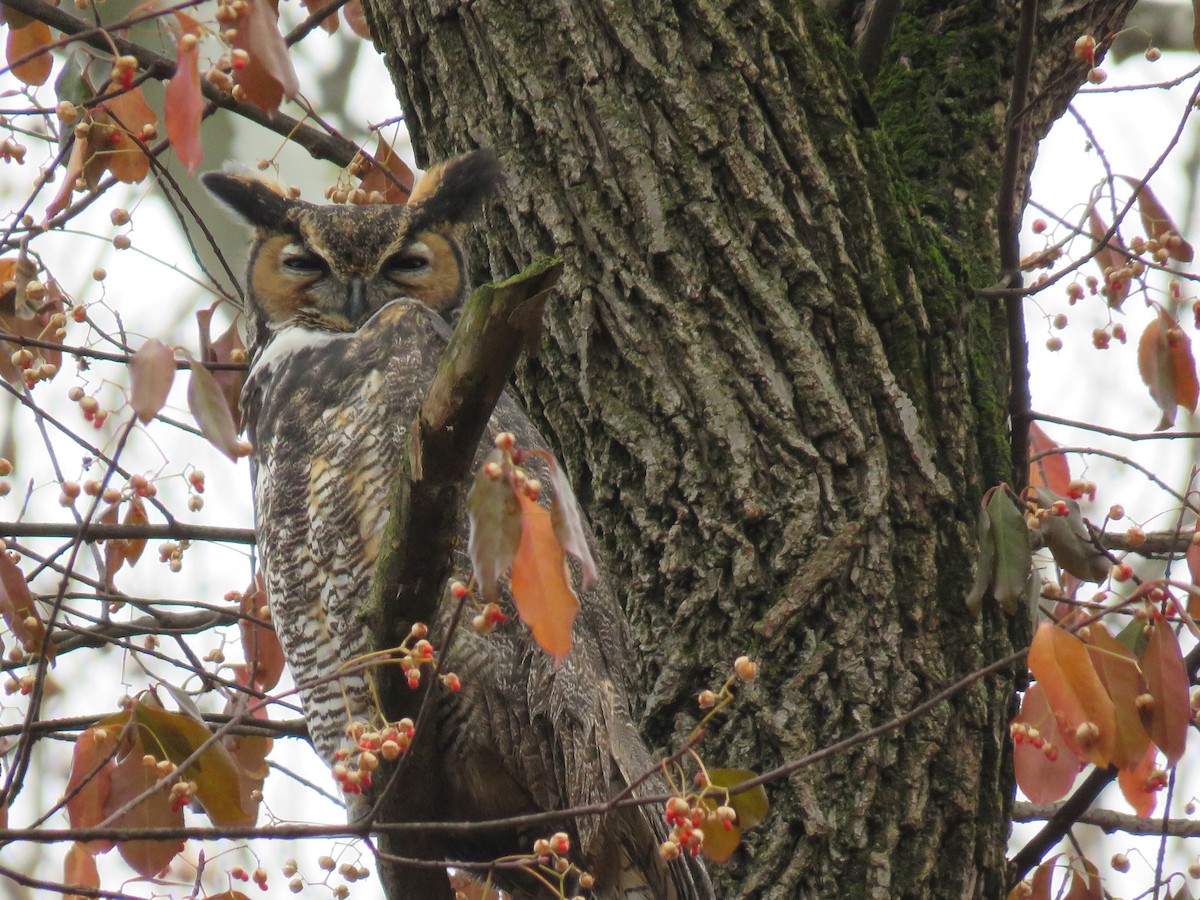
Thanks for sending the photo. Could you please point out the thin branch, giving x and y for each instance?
(335, 149)
(94, 531)
(1108, 820)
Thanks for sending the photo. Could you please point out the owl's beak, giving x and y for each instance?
(356, 301)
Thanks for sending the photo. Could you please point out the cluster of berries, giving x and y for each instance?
(353, 766)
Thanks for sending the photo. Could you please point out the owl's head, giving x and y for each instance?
(333, 267)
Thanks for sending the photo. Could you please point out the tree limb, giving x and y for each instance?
(94, 531)
(1109, 820)
(334, 148)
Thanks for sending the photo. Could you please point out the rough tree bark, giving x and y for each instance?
(772, 377)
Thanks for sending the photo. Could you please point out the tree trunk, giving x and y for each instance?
(773, 381)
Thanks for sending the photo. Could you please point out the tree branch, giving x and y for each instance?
(498, 321)
(1109, 820)
(334, 148)
(94, 531)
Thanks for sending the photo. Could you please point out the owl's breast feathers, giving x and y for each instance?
(328, 414)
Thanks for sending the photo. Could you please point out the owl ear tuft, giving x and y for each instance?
(453, 192)
(255, 199)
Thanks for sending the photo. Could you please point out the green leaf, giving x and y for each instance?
(177, 737)
(751, 805)
(1014, 557)
(985, 570)
(72, 84)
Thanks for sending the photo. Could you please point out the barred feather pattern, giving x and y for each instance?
(328, 415)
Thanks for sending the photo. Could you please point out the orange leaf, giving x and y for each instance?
(129, 779)
(91, 773)
(540, 585)
(1044, 773)
(1167, 367)
(330, 22)
(80, 868)
(117, 145)
(1111, 258)
(1193, 564)
(1061, 664)
(1052, 470)
(260, 644)
(268, 76)
(27, 35)
(26, 317)
(211, 411)
(1085, 881)
(62, 197)
(357, 19)
(1158, 223)
(151, 373)
(228, 348)
(1136, 786)
(375, 174)
(1167, 682)
(17, 608)
(184, 106)
(135, 515)
(1043, 878)
(1118, 670)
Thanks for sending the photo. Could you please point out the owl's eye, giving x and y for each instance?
(407, 262)
(304, 263)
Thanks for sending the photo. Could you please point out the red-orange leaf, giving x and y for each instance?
(91, 772)
(1193, 564)
(1159, 225)
(228, 348)
(1061, 664)
(17, 608)
(120, 151)
(1085, 881)
(184, 106)
(540, 585)
(1118, 670)
(80, 868)
(26, 317)
(260, 644)
(1044, 773)
(211, 411)
(62, 197)
(267, 76)
(129, 779)
(1052, 470)
(1167, 682)
(135, 516)
(357, 19)
(1135, 783)
(27, 35)
(312, 7)
(1167, 367)
(387, 163)
(1043, 878)
(151, 373)
(1111, 259)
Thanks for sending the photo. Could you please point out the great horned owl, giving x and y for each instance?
(344, 308)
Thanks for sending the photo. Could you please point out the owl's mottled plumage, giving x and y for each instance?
(344, 309)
